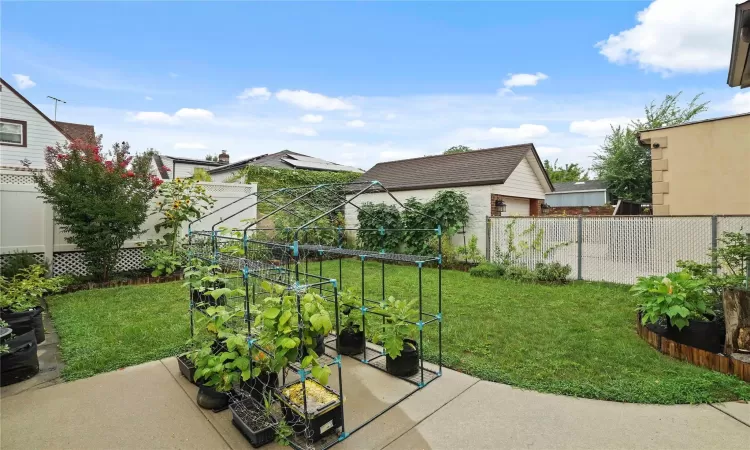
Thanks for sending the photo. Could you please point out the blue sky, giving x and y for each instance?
(359, 83)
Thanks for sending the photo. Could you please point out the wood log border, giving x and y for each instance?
(694, 356)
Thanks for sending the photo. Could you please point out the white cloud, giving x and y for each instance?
(23, 81)
(524, 79)
(524, 131)
(599, 127)
(148, 98)
(256, 92)
(676, 36)
(194, 113)
(189, 146)
(158, 117)
(355, 124)
(544, 150)
(311, 118)
(740, 103)
(173, 75)
(311, 100)
(302, 131)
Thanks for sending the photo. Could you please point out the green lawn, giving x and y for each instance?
(576, 340)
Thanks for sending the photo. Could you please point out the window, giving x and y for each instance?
(13, 132)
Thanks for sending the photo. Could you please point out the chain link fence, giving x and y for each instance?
(616, 249)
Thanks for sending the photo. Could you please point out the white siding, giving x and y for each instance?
(524, 182)
(479, 208)
(39, 133)
(516, 206)
(222, 177)
(182, 169)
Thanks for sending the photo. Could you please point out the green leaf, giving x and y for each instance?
(271, 313)
(285, 316)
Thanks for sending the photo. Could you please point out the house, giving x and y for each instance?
(180, 167)
(588, 198)
(739, 64)
(701, 167)
(511, 176)
(26, 132)
(284, 159)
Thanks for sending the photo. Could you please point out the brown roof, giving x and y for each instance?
(78, 131)
(474, 168)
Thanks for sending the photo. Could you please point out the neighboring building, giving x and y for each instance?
(26, 132)
(280, 160)
(78, 131)
(701, 167)
(579, 193)
(184, 167)
(739, 64)
(512, 175)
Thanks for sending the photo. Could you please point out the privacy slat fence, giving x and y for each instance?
(616, 249)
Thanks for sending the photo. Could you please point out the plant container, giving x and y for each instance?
(705, 335)
(257, 426)
(351, 341)
(320, 346)
(187, 368)
(21, 362)
(407, 364)
(323, 416)
(5, 332)
(210, 398)
(261, 385)
(25, 321)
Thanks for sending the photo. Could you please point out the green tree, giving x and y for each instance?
(457, 149)
(568, 172)
(625, 164)
(101, 200)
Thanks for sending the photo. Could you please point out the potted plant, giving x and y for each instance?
(397, 337)
(313, 412)
(254, 420)
(202, 281)
(20, 299)
(683, 302)
(351, 340)
(18, 358)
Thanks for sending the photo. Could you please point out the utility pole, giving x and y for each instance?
(56, 101)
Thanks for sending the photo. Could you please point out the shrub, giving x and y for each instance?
(372, 216)
(487, 270)
(677, 297)
(25, 290)
(18, 261)
(553, 272)
(519, 273)
(100, 200)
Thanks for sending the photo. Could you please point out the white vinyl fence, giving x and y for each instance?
(26, 223)
(617, 249)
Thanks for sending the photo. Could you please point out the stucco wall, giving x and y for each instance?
(702, 168)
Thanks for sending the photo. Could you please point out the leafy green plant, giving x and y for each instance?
(273, 178)
(373, 216)
(399, 325)
(4, 348)
(519, 273)
(676, 297)
(351, 314)
(100, 200)
(17, 261)
(160, 259)
(25, 290)
(470, 252)
(200, 277)
(552, 272)
(181, 200)
(488, 270)
(201, 174)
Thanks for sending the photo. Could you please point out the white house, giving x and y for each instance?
(25, 132)
(579, 193)
(280, 160)
(180, 167)
(511, 178)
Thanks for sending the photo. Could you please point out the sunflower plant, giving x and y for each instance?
(180, 201)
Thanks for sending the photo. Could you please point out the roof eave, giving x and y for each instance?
(442, 185)
(739, 62)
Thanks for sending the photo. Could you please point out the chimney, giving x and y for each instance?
(224, 157)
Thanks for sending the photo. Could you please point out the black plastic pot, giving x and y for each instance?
(25, 321)
(351, 341)
(21, 362)
(187, 369)
(260, 386)
(253, 423)
(698, 334)
(210, 398)
(407, 364)
(320, 346)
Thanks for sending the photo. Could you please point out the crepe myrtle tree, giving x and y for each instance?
(100, 199)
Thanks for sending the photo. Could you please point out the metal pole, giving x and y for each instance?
(580, 247)
(487, 237)
(714, 239)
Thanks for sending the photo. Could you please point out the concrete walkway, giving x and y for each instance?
(151, 406)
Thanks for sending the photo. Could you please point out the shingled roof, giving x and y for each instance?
(78, 131)
(474, 168)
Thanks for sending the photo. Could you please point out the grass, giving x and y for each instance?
(577, 339)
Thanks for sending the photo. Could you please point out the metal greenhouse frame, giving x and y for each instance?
(299, 241)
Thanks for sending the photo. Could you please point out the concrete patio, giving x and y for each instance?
(151, 406)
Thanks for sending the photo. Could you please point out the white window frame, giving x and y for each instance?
(22, 125)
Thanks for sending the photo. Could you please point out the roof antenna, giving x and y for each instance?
(56, 100)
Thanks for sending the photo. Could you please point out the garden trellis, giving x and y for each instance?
(295, 249)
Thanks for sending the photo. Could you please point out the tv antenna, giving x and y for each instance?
(56, 101)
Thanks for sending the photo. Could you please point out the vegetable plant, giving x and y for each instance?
(676, 297)
(399, 325)
(160, 259)
(181, 200)
(25, 290)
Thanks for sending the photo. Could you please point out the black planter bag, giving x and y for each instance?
(261, 385)
(210, 398)
(21, 363)
(320, 347)
(351, 341)
(407, 364)
(25, 321)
